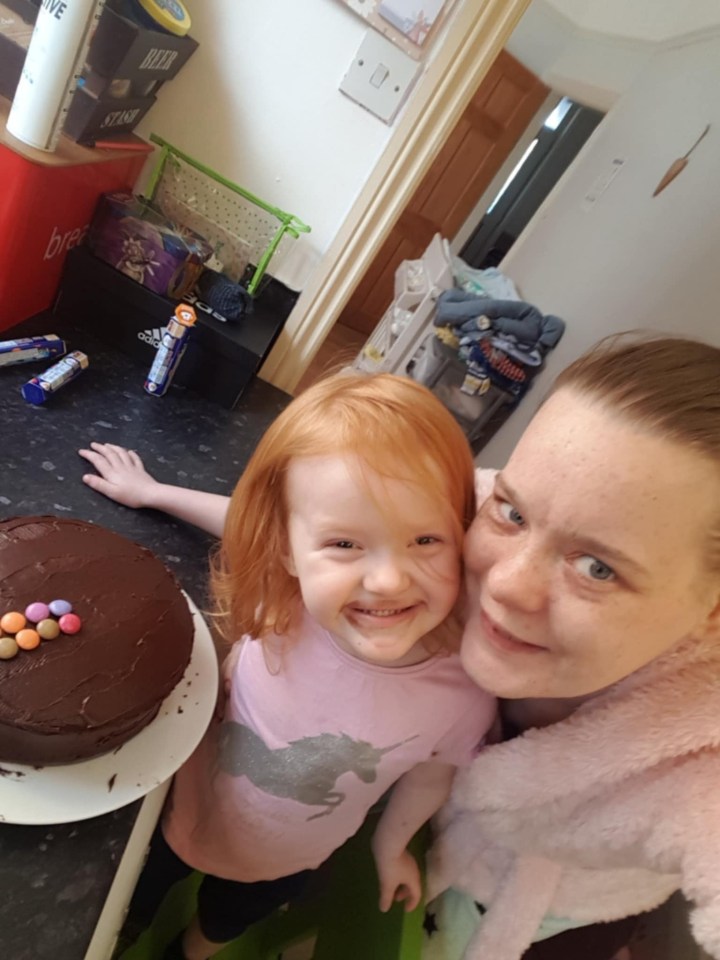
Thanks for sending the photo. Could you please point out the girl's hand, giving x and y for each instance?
(122, 476)
(399, 880)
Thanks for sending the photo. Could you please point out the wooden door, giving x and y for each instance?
(491, 125)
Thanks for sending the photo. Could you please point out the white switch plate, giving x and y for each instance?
(377, 58)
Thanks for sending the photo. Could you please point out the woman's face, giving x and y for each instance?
(588, 561)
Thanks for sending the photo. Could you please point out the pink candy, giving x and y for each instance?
(35, 612)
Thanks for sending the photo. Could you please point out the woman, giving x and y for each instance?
(593, 576)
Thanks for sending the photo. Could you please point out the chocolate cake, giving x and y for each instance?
(84, 694)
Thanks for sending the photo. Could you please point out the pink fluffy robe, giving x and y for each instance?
(600, 816)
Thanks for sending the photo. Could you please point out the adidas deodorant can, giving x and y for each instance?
(170, 352)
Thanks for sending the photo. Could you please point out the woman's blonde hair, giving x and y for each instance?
(394, 425)
(669, 386)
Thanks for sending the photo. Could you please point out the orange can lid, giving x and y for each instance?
(185, 315)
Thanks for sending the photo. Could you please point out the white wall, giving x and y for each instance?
(632, 260)
(259, 102)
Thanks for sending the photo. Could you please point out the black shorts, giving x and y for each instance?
(226, 908)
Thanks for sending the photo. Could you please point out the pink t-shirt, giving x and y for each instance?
(308, 743)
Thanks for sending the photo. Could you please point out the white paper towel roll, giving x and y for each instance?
(54, 62)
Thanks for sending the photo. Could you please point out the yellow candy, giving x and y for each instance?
(12, 622)
(48, 629)
(27, 639)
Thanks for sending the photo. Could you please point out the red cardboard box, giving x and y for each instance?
(46, 204)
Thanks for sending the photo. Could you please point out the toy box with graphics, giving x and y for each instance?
(138, 240)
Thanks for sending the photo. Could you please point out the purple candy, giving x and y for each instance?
(58, 608)
(35, 612)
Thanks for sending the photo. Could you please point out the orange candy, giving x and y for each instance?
(12, 622)
(27, 639)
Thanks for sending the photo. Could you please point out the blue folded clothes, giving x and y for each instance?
(522, 321)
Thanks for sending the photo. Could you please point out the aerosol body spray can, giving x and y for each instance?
(27, 349)
(54, 62)
(40, 389)
(169, 354)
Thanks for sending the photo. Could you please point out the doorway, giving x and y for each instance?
(492, 123)
(553, 148)
(548, 155)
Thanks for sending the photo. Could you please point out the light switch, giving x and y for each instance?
(380, 76)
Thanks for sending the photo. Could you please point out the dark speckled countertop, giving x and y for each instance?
(54, 879)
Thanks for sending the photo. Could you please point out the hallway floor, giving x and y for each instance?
(340, 349)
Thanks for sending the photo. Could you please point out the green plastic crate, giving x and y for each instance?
(243, 229)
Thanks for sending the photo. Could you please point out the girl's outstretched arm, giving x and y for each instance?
(415, 798)
(121, 476)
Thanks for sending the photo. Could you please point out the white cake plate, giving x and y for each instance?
(63, 794)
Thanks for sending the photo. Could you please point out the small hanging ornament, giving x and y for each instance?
(677, 166)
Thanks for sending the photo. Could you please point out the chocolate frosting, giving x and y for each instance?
(79, 696)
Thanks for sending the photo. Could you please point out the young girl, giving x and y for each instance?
(339, 568)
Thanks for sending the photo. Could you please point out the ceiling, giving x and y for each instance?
(654, 21)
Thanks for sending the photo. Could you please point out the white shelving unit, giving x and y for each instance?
(402, 343)
(418, 283)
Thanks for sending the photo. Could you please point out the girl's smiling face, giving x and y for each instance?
(377, 559)
(589, 559)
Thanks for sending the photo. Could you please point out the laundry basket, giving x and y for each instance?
(245, 231)
(339, 922)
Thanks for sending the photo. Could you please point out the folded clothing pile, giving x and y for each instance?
(500, 340)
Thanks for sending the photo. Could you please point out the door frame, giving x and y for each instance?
(475, 37)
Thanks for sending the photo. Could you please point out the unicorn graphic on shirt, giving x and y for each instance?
(306, 770)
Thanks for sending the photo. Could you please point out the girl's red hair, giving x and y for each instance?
(397, 427)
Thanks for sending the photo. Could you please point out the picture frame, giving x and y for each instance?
(410, 24)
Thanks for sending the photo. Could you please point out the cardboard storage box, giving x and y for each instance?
(91, 118)
(221, 358)
(15, 36)
(128, 51)
(136, 238)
